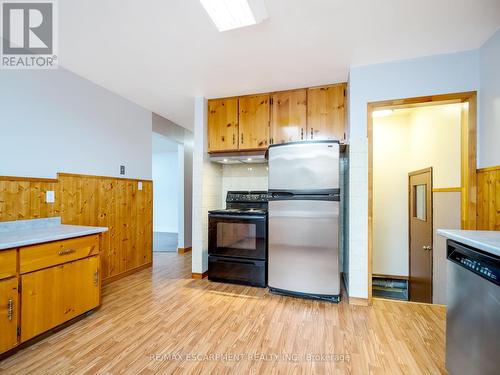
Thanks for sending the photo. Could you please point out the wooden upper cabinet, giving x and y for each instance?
(326, 112)
(288, 116)
(222, 124)
(254, 122)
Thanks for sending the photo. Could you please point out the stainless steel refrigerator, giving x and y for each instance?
(304, 199)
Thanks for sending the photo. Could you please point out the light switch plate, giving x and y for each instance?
(139, 185)
(50, 196)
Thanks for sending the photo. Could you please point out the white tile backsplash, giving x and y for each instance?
(243, 177)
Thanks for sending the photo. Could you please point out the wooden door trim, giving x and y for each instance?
(430, 219)
(468, 158)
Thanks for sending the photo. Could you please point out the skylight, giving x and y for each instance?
(233, 14)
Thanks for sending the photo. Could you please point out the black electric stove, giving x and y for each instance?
(237, 239)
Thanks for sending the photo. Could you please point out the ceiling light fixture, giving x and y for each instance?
(233, 14)
(382, 112)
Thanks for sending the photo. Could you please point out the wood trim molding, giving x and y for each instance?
(31, 179)
(113, 278)
(447, 190)
(468, 150)
(359, 301)
(199, 276)
(184, 250)
(489, 169)
(64, 174)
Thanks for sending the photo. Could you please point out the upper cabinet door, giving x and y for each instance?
(254, 122)
(326, 112)
(288, 116)
(222, 124)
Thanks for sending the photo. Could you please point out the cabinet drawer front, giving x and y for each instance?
(32, 258)
(8, 260)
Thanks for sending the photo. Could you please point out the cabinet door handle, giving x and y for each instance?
(241, 138)
(234, 139)
(301, 133)
(10, 309)
(96, 278)
(66, 252)
(312, 133)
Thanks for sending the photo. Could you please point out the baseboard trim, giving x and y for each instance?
(199, 276)
(358, 301)
(113, 278)
(184, 250)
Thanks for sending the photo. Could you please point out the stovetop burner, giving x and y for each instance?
(245, 202)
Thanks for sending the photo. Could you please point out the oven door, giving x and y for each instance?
(242, 236)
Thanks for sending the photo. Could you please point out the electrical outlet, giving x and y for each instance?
(139, 185)
(50, 196)
(122, 169)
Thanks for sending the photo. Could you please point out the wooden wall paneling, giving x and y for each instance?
(119, 205)
(254, 122)
(23, 198)
(488, 198)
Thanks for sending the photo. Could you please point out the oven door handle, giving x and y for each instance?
(237, 217)
(233, 261)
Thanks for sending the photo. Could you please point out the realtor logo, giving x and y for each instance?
(29, 35)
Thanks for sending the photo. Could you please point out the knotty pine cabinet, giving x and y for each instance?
(54, 283)
(223, 124)
(326, 112)
(288, 116)
(8, 313)
(253, 122)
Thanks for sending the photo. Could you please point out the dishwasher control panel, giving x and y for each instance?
(481, 264)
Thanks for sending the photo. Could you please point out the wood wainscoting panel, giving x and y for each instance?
(488, 198)
(119, 205)
(23, 198)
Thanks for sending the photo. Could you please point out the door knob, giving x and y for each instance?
(428, 248)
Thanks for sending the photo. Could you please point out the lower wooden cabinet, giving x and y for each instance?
(55, 295)
(8, 313)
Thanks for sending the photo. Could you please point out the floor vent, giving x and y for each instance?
(390, 288)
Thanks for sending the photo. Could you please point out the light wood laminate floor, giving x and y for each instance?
(161, 321)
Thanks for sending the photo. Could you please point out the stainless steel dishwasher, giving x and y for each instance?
(473, 311)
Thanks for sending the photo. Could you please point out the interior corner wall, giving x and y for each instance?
(55, 121)
(489, 103)
(434, 75)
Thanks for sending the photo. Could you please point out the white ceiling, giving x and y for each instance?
(163, 144)
(162, 53)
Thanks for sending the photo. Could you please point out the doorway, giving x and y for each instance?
(452, 154)
(167, 205)
(420, 235)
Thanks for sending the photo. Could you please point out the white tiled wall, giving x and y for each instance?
(243, 177)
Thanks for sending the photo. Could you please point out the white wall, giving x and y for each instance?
(165, 191)
(407, 141)
(489, 128)
(243, 177)
(440, 74)
(54, 121)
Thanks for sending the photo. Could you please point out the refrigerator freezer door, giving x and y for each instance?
(303, 247)
(304, 166)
